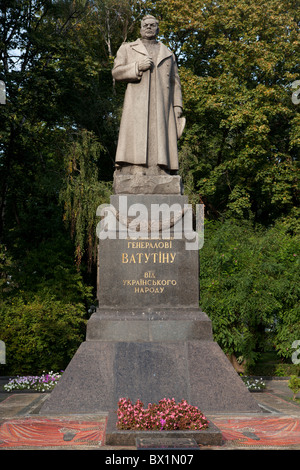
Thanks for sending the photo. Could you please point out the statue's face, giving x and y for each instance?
(149, 29)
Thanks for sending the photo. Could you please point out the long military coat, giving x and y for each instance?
(133, 134)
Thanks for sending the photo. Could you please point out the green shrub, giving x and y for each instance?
(294, 385)
(40, 334)
(249, 286)
(273, 370)
(43, 307)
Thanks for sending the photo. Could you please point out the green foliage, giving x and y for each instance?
(43, 307)
(238, 156)
(249, 284)
(40, 333)
(59, 101)
(82, 193)
(238, 61)
(278, 369)
(294, 385)
(50, 266)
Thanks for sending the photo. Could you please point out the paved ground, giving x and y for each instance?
(277, 427)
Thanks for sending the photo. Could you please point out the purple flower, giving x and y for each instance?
(162, 422)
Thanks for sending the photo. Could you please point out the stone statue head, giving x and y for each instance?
(149, 27)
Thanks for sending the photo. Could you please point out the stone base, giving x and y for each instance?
(102, 372)
(142, 184)
(149, 340)
(174, 324)
(212, 436)
(148, 255)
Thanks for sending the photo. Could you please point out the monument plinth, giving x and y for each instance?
(148, 339)
(147, 184)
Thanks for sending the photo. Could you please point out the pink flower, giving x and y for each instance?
(167, 414)
(162, 422)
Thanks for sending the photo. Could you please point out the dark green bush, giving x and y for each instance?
(273, 370)
(249, 286)
(40, 334)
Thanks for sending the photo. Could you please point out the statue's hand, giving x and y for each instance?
(178, 111)
(145, 64)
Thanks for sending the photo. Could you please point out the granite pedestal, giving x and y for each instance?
(140, 184)
(148, 338)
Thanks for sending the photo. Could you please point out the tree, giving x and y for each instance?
(294, 385)
(238, 61)
(58, 130)
(59, 84)
(239, 157)
(82, 194)
(249, 284)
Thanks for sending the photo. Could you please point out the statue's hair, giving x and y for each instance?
(148, 17)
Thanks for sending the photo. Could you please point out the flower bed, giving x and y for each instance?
(166, 415)
(254, 385)
(44, 383)
(165, 420)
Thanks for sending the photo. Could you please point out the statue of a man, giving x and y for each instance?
(151, 119)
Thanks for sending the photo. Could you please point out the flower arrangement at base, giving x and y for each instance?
(167, 415)
(44, 383)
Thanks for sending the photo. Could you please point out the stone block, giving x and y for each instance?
(144, 184)
(101, 373)
(147, 274)
(174, 324)
(115, 437)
